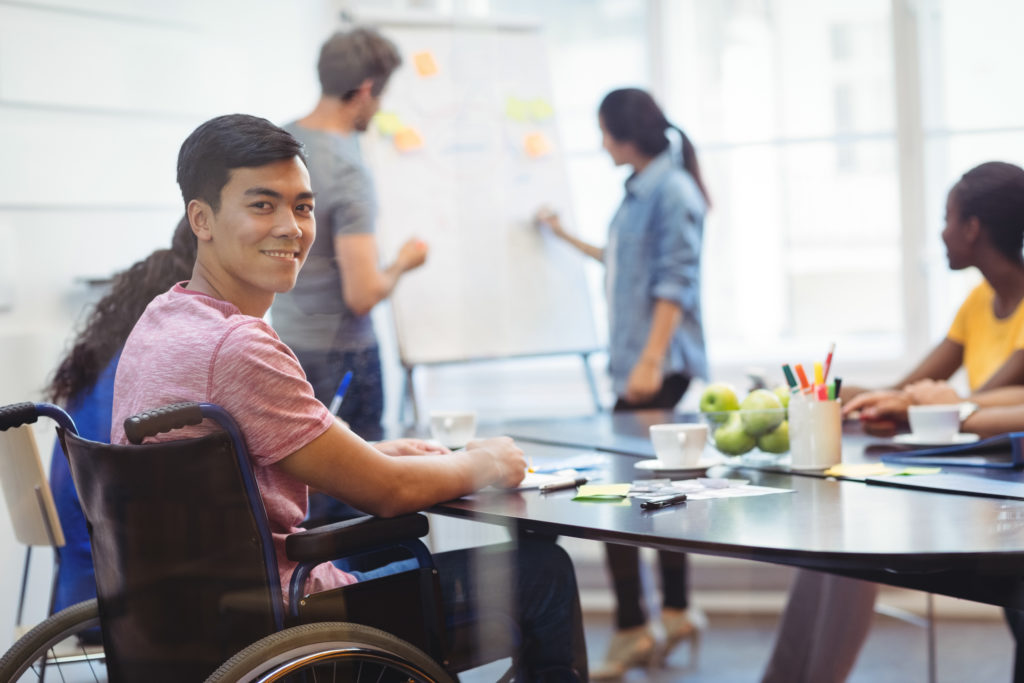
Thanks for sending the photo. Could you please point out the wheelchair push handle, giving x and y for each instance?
(17, 414)
(164, 419)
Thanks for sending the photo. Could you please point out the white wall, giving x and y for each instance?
(96, 96)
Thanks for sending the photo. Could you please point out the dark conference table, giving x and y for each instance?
(964, 546)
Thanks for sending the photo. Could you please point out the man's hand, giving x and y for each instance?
(928, 391)
(412, 254)
(644, 381)
(399, 447)
(502, 463)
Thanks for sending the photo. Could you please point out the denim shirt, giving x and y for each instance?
(653, 252)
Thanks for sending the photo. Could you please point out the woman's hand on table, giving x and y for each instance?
(881, 412)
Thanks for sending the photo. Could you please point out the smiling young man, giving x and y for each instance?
(248, 198)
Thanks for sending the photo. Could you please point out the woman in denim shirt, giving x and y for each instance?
(656, 340)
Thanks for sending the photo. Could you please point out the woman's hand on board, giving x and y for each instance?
(546, 217)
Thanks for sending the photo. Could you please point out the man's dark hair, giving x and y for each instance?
(350, 57)
(227, 142)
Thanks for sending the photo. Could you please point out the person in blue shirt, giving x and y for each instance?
(656, 338)
(84, 384)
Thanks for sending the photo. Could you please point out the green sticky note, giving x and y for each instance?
(541, 109)
(910, 471)
(516, 109)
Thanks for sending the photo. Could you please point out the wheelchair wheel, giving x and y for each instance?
(50, 645)
(331, 651)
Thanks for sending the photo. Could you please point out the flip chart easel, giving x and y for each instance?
(464, 150)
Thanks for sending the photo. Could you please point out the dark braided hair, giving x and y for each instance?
(994, 194)
(114, 316)
(632, 115)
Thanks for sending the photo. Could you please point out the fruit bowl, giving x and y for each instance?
(738, 432)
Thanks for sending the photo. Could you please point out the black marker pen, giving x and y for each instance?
(663, 501)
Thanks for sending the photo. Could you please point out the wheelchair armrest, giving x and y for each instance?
(353, 536)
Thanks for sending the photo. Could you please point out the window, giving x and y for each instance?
(789, 104)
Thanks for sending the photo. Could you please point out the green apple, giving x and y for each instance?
(718, 397)
(761, 411)
(775, 441)
(731, 439)
(782, 391)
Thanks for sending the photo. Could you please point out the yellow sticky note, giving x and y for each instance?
(541, 109)
(603, 490)
(537, 145)
(858, 470)
(425, 63)
(408, 140)
(516, 109)
(388, 123)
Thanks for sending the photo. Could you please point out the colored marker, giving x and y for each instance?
(804, 384)
(819, 375)
(828, 358)
(339, 395)
(790, 379)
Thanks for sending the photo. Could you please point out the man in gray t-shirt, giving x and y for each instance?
(325, 319)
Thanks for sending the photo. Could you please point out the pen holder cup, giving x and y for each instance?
(815, 433)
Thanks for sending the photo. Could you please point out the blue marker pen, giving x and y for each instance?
(339, 395)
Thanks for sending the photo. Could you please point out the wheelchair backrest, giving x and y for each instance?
(181, 564)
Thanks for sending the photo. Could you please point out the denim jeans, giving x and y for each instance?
(364, 401)
(529, 584)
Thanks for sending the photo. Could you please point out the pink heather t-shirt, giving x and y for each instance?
(189, 346)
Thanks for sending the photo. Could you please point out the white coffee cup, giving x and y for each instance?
(815, 433)
(679, 445)
(453, 428)
(935, 422)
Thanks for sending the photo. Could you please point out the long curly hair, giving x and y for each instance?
(112, 319)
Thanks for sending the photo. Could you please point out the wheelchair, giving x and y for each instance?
(187, 577)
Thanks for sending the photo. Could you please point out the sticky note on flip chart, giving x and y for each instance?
(537, 145)
(408, 140)
(516, 109)
(388, 122)
(541, 109)
(425, 63)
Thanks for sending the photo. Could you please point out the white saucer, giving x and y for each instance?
(915, 440)
(655, 465)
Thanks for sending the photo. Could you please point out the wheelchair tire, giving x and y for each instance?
(362, 653)
(29, 651)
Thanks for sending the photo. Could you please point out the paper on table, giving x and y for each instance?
(577, 462)
(534, 480)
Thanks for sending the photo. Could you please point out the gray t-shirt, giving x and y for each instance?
(313, 316)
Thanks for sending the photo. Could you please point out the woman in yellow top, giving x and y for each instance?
(984, 229)
(827, 617)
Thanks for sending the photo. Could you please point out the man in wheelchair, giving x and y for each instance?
(248, 198)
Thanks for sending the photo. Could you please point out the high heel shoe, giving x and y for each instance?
(629, 648)
(680, 625)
